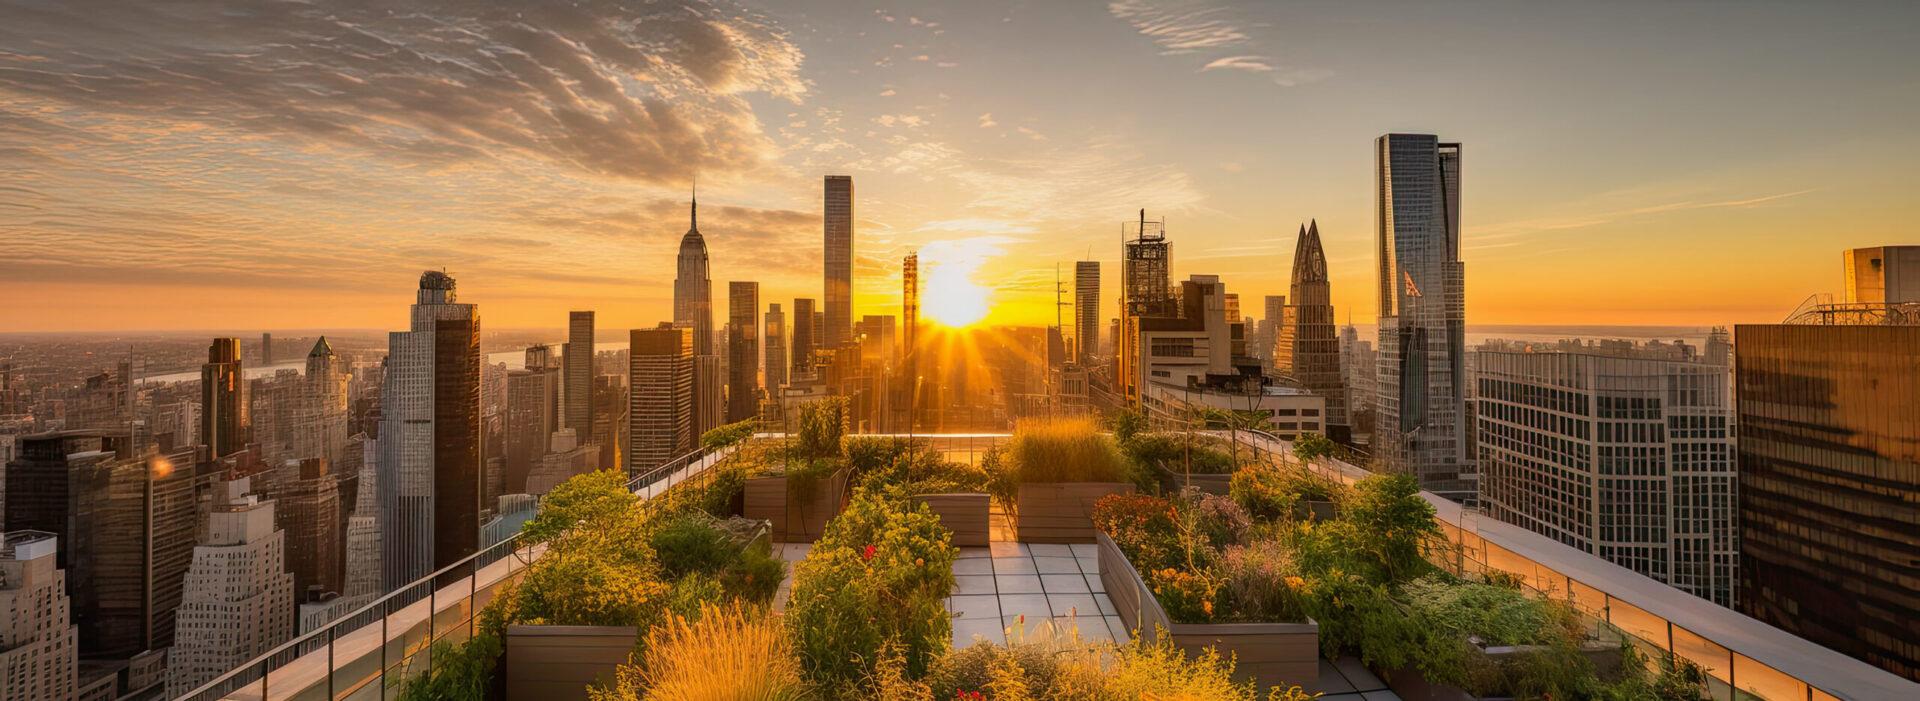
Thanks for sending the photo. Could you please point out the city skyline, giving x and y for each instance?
(297, 221)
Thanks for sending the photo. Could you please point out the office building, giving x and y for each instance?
(1187, 364)
(1622, 452)
(878, 336)
(365, 575)
(910, 307)
(238, 599)
(308, 509)
(660, 398)
(1829, 469)
(576, 390)
(39, 644)
(776, 336)
(223, 404)
(529, 424)
(1145, 293)
(693, 308)
(320, 424)
(430, 481)
(1421, 404)
(839, 260)
(1086, 311)
(1306, 349)
(1882, 275)
(803, 339)
(743, 350)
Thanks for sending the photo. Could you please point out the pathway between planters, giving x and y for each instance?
(1030, 591)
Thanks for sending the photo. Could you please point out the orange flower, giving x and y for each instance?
(1294, 582)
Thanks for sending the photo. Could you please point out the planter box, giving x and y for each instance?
(794, 519)
(1060, 512)
(1173, 479)
(557, 663)
(1269, 654)
(965, 514)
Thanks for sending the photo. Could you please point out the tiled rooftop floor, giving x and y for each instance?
(1016, 588)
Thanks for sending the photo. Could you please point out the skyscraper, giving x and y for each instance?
(238, 596)
(1882, 274)
(1086, 310)
(266, 350)
(307, 509)
(803, 338)
(1422, 419)
(910, 306)
(693, 308)
(39, 648)
(223, 404)
(365, 577)
(776, 335)
(660, 403)
(1306, 347)
(320, 426)
(839, 260)
(429, 478)
(577, 360)
(743, 350)
(529, 424)
(1619, 451)
(1828, 474)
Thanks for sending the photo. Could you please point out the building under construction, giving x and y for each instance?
(1145, 269)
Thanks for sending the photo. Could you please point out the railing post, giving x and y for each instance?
(330, 671)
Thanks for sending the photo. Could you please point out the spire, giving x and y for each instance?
(693, 212)
(321, 348)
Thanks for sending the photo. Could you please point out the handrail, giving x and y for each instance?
(257, 669)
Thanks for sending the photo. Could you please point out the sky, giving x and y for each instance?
(212, 164)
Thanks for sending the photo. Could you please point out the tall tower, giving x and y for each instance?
(577, 389)
(743, 350)
(430, 435)
(660, 402)
(692, 288)
(320, 430)
(839, 260)
(1422, 409)
(1086, 310)
(1146, 261)
(223, 406)
(803, 338)
(266, 349)
(238, 597)
(910, 306)
(776, 336)
(1306, 346)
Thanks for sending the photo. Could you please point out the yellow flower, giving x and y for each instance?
(1207, 606)
(1294, 582)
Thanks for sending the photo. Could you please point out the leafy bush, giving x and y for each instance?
(1312, 446)
(879, 576)
(1261, 582)
(1141, 525)
(581, 499)
(822, 424)
(1272, 493)
(1496, 615)
(1127, 423)
(721, 653)
(1140, 670)
(913, 465)
(693, 543)
(1180, 454)
(1188, 595)
(730, 434)
(1064, 450)
(989, 668)
(1390, 528)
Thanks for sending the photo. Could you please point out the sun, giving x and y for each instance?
(948, 294)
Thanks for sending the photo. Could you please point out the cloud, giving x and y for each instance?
(1488, 236)
(1181, 27)
(653, 92)
(986, 121)
(1257, 64)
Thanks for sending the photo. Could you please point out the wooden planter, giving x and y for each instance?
(965, 514)
(1269, 654)
(1174, 480)
(796, 518)
(1060, 512)
(557, 663)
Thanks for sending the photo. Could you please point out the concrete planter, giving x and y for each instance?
(1174, 480)
(965, 514)
(557, 663)
(1269, 654)
(796, 518)
(1060, 512)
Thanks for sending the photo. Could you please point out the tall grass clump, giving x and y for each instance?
(726, 652)
(1064, 450)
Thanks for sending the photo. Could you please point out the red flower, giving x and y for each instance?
(867, 554)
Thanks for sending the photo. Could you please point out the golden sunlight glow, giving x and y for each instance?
(948, 294)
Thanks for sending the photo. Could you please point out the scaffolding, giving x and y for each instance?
(1820, 310)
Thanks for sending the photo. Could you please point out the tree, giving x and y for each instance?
(584, 498)
(1312, 446)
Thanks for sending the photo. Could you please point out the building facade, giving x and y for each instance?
(743, 350)
(1306, 348)
(803, 340)
(1829, 452)
(660, 401)
(576, 360)
(839, 260)
(1882, 275)
(1421, 404)
(1145, 292)
(308, 510)
(776, 342)
(238, 599)
(693, 308)
(39, 644)
(1628, 457)
(430, 479)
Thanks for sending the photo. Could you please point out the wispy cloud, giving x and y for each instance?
(1256, 64)
(1500, 235)
(1183, 27)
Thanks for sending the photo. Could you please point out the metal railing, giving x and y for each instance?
(1732, 649)
(369, 652)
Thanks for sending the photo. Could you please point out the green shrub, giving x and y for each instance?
(976, 668)
(914, 466)
(1180, 454)
(879, 576)
(1141, 525)
(1312, 446)
(1272, 493)
(821, 425)
(730, 434)
(1390, 528)
(581, 499)
(1261, 582)
(1126, 423)
(1497, 615)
